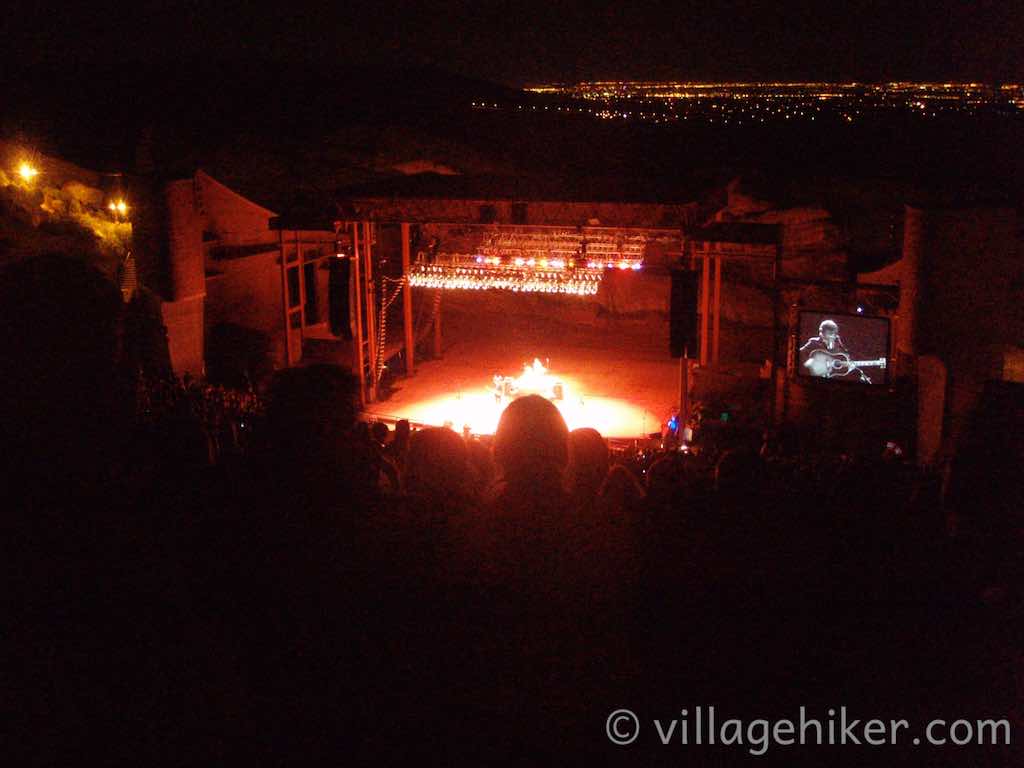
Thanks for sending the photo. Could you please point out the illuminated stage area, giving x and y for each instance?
(598, 389)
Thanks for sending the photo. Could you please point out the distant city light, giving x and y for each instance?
(740, 103)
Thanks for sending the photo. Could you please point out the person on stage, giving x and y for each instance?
(820, 353)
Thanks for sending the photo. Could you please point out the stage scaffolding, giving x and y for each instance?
(526, 259)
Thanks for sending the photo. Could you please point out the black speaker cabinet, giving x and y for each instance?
(683, 313)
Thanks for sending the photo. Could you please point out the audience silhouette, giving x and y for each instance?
(334, 588)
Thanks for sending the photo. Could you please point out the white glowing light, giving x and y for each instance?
(27, 172)
(536, 379)
(524, 273)
(480, 410)
(579, 283)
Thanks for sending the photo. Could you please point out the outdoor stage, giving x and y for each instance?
(621, 391)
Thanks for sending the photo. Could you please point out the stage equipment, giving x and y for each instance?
(535, 380)
(560, 261)
(683, 313)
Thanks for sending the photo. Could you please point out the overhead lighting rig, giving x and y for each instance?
(561, 262)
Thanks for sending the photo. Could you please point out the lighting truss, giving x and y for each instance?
(465, 272)
(560, 261)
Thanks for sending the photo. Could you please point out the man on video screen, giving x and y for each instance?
(826, 356)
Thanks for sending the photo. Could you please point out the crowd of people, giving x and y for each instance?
(340, 590)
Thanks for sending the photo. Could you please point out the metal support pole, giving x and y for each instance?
(705, 278)
(777, 374)
(371, 311)
(410, 340)
(437, 325)
(284, 300)
(684, 390)
(716, 313)
(357, 280)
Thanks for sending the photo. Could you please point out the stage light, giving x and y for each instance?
(524, 260)
(27, 171)
(577, 282)
(860, 310)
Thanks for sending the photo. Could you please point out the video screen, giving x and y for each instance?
(843, 347)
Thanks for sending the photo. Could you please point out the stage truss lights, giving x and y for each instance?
(552, 261)
(448, 273)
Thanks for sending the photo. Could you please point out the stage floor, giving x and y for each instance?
(621, 392)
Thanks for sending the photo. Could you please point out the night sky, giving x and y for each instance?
(518, 43)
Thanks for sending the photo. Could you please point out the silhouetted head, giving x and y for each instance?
(620, 492)
(666, 477)
(481, 463)
(532, 441)
(588, 460)
(311, 407)
(379, 431)
(437, 464)
(740, 470)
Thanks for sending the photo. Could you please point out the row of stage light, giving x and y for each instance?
(565, 244)
(516, 273)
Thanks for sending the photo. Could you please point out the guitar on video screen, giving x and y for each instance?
(830, 365)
